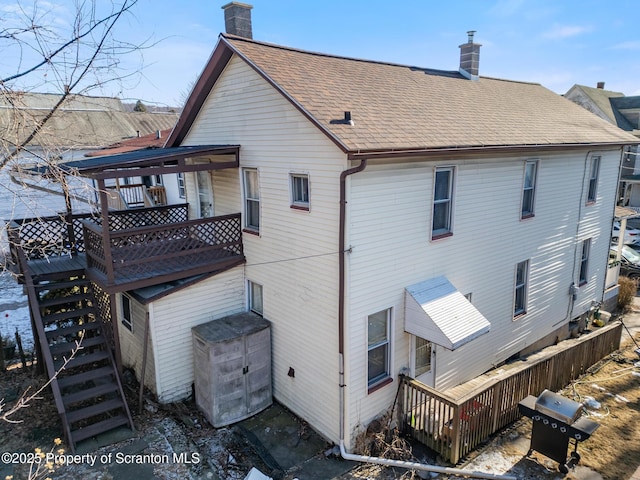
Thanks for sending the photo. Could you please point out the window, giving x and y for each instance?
(529, 188)
(522, 274)
(127, 321)
(255, 298)
(252, 200)
(423, 356)
(593, 179)
(442, 202)
(300, 191)
(378, 346)
(181, 189)
(584, 261)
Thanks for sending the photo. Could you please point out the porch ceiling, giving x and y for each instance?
(436, 311)
(153, 161)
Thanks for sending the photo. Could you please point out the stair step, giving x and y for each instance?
(98, 428)
(88, 393)
(74, 298)
(93, 410)
(71, 329)
(68, 315)
(55, 276)
(67, 347)
(78, 282)
(69, 380)
(80, 360)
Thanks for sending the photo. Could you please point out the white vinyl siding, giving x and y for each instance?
(383, 261)
(173, 317)
(278, 140)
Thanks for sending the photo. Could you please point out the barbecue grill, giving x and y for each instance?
(556, 421)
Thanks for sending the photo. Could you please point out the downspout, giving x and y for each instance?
(341, 300)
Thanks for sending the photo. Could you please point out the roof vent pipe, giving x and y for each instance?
(470, 57)
(237, 19)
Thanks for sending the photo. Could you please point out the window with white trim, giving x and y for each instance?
(182, 192)
(299, 191)
(442, 202)
(593, 179)
(252, 199)
(520, 294)
(529, 188)
(378, 328)
(584, 260)
(126, 319)
(255, 297)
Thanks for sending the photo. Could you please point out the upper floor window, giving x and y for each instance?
(520, 294)
(378, 328)
(529, 188)
(584, 260)
(252, 199)
(442, 202)
(300, 191)
(182, 193)
(593, 179)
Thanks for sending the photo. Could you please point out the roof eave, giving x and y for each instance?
(486, 149)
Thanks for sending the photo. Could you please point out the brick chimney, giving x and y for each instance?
(600, 85)
(470, 57)
(237, 19)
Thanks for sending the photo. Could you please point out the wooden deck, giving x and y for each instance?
(455, 421)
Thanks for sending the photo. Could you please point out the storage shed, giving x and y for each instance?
(232, 357)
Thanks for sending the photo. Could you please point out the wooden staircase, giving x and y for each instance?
(84, 378)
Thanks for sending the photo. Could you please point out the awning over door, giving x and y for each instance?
(436, 311)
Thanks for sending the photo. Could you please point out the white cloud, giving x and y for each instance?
(565, 31)
(630, 45)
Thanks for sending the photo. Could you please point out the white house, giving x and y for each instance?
(394, 219)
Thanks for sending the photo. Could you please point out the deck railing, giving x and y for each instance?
(126, 254)
(453, 427)
(43, 237)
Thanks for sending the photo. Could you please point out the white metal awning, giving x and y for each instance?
(436, 311)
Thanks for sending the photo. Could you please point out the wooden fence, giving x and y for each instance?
(454, 426)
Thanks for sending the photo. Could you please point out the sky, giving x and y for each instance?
(556, 43)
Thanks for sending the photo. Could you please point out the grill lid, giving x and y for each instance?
(558, 407)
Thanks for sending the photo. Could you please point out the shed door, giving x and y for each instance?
(205, 194)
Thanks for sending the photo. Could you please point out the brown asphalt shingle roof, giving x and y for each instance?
(402, 107)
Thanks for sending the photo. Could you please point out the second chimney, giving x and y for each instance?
(600, 85)
(470, 57)
(237, 19)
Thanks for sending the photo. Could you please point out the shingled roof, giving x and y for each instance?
(406, 108)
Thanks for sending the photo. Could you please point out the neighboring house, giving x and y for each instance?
(160, 189)
(383, 218)
(81, 122)
(624, 112)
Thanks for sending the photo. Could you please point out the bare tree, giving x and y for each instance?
(69, 50)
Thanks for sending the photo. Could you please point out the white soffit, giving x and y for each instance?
(436, 311)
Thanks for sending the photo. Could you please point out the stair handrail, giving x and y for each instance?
(45, 351)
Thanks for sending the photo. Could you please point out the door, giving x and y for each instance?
(205, 194)
(424, 360)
